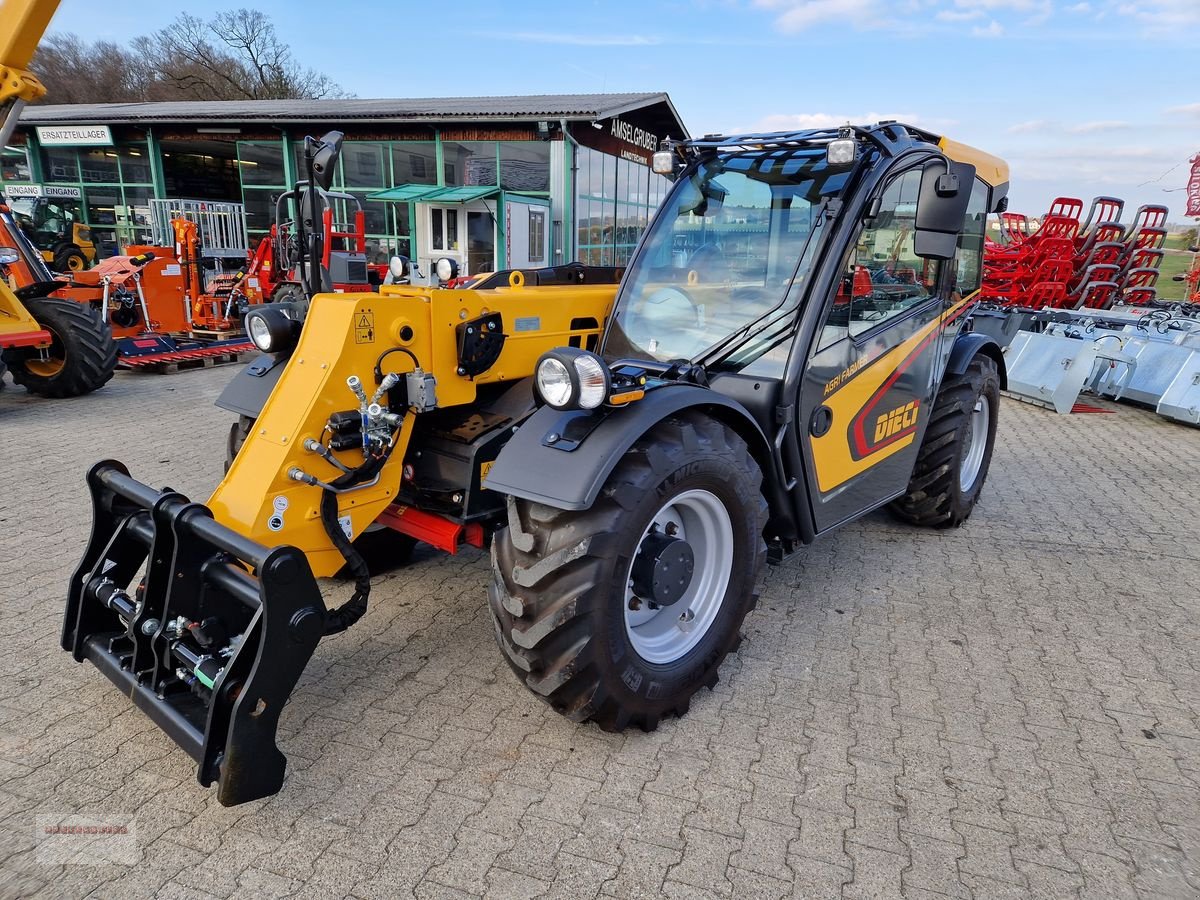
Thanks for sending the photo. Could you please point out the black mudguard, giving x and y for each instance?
(562, 459)
(247, 393)
(966, 345)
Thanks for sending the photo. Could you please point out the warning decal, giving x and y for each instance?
(364, 327)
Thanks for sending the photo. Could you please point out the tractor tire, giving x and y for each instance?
(953, 462)
(562, 594)
(70, 259)
(381, 548)
(82, 356)
(238, 432)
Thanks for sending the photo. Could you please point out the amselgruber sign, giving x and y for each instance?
(74, 135)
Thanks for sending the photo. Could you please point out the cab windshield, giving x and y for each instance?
(23, 208)
(728, 251)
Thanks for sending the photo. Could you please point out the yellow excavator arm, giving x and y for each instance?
(22, 24)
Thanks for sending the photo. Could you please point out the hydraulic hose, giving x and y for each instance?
(338, 620)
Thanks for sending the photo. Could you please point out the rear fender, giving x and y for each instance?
(562, 459)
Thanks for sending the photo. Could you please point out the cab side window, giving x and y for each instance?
(882, 276)
(886, 277)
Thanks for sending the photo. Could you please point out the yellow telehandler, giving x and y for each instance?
(789, 348)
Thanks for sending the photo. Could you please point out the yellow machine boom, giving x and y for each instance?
(22, 24)
(348, 335)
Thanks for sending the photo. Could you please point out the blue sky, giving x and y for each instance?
(1082, 98)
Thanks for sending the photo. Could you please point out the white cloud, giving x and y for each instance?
(993, 30)
(799, 15)
(1080, 8)
(959, 15)
(1163, 15)
(1189, 109)
(1033, 125)
(1093, 127)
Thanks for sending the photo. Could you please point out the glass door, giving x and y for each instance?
(481, 243)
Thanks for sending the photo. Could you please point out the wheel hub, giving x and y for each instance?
(679, 576)
(662, 571)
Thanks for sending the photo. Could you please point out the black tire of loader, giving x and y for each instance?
(563, 631)
(238, 432)
(69, 259)
(935, 498)
(82, 341)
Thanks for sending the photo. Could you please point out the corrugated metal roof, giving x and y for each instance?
(429, 109)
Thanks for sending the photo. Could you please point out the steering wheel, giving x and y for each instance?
(708, 261)
(664, 312)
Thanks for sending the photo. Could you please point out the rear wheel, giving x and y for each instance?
(619, 613)
(82, 355)
(954, 458)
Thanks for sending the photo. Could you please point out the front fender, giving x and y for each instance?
(969, 343)
(562, 459)
(251, 386)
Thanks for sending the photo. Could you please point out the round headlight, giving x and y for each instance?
(271, 330)
(446, 269)
(554, 382)
(260, 332)
(571, 378)
(593, 380)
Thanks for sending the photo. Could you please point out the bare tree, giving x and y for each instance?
(75, 71)
(235, 55)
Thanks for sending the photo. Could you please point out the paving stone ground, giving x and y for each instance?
(1006, 710)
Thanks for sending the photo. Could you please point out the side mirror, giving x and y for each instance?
(941, 208)
(324, 156)
(8, 256)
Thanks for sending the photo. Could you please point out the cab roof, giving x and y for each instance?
(889, 137)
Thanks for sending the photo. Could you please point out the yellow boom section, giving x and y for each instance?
(349, 334)
(22, 24)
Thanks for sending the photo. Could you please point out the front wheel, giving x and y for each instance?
(954, 458)
(82, 355)
(619, 613)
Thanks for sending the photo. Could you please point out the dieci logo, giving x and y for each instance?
(900, 419)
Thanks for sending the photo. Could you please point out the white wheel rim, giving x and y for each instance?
(666, 634)
(977, 434)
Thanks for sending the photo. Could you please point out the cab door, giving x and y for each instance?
(869, 386)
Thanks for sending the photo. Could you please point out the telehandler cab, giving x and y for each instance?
(789, 348)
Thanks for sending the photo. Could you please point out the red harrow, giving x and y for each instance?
(1066, 263)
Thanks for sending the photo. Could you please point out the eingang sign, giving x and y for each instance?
(74, 135)
(13, 191)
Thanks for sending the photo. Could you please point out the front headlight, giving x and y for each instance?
(260, 332)
(570, 378)
(271, 330)
(593, 380)
(554, 382)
